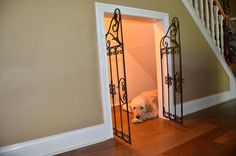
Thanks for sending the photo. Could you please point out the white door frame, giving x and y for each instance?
(161, 24)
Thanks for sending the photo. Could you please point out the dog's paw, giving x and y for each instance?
(155, 116)
(135, 121)
(150, 116)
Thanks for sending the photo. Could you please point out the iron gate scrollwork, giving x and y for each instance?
(117, 77)
(171, 70)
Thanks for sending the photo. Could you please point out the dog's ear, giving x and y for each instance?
(130, 107)
(124, 107)
(148, 108)
(153, 99)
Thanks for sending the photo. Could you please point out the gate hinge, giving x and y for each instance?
(168, 80)
(112, 89)
(179, 82)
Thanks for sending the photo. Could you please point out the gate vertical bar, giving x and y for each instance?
(112, 92)
(118, 78)
(162, 79)
(167, 81)
(173, 65)
(181, 74)
(124, 69)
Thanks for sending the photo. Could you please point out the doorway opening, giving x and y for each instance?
(140, 66)
(142, 31)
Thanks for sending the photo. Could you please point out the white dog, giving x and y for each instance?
(144, 106)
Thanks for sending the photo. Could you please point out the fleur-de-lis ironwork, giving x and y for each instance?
(122, 87)
(178, 81)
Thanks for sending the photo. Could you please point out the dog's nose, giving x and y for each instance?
(137, 116)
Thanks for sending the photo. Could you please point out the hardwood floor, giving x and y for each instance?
(210, 132)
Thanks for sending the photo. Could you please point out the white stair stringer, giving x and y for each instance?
(209, 39)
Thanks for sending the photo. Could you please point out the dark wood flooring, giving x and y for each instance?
(210, 132)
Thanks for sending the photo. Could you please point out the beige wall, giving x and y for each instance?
(49, 79)
(232, 4)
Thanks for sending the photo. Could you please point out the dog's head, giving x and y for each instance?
(138, 108)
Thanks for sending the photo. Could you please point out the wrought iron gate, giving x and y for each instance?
(171, 71)
(117, 73)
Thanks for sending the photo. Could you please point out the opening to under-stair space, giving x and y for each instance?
(138, 65)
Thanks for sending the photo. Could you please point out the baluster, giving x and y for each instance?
(201, 10)
(216, 9)
(191, 2)
(221, 18)
(196, 6)
(207, 15)
(212, 20)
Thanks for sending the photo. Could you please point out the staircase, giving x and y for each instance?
(215, 24)
(218, 26)
(213, 18)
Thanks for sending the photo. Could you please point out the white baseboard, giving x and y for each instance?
(57, 143)
(205, 102)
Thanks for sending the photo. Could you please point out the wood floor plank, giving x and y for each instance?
(210, 132)
(228, 138)
(200, 143)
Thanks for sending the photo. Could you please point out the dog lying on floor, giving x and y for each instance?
(144, 106)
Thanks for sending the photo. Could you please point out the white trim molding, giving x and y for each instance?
(57, 143)
(101, 8)
(232, 81)
(205, 102)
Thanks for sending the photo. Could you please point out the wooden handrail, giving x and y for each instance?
(226, 16)
(220, 8)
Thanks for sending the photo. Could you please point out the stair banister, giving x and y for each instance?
(221, 18)
(222, 54)
(215, 20)
(207, 15)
